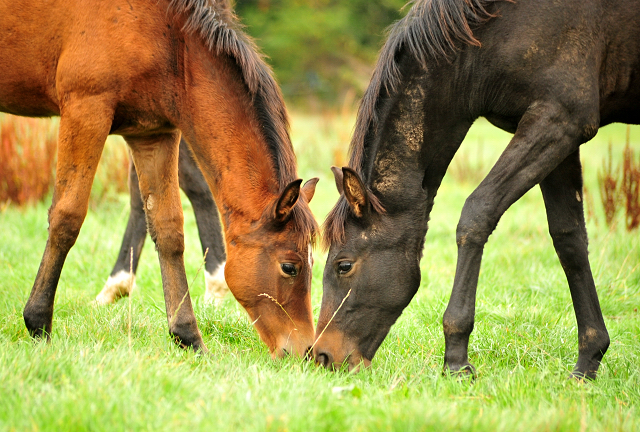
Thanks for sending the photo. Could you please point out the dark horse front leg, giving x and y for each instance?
(156, 161)
(547, 133)
(84, 126)
(562, 193)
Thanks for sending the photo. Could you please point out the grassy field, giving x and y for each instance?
(114, 368)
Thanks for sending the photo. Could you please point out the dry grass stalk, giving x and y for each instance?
(281, 307)
(332, 317)
(27, 157)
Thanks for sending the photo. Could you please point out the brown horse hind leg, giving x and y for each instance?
(156, 161)
(562, 193)
(546, 134)
(84, 126)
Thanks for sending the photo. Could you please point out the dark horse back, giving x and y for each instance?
(586, 54)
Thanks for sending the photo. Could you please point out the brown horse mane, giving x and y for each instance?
(221, 31)
(432, 29)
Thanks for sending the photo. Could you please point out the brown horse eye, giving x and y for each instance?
(344, 267)
(289, 269)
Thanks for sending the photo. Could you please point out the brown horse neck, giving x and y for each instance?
(219, 117)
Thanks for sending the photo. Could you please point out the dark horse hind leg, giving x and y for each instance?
(156, 161)
(562, 192)
(122, 278)
(81, 140)
(547, 133)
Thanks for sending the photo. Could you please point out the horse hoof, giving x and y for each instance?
(581, 377)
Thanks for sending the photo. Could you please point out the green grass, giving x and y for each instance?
(115, 368)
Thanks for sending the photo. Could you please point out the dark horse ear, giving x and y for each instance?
(337, 173)
(309, 188)
(354, 191)
(287, 200)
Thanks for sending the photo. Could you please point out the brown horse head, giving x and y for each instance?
(247, 158)
(269, 270)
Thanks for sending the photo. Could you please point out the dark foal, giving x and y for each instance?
(122, 279)
(549, 72)
(152, 71)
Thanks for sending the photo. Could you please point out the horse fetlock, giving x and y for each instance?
(215, 286)
(457, 329)
(593, 343)
(117, 286)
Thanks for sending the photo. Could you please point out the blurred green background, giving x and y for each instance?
(322, 51)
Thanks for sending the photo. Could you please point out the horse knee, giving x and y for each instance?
(64, 226)
(168, 238)
(474, 227)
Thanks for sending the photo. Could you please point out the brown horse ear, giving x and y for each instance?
(354, 191)
(309, 188)
(287, 200)
(337, 173)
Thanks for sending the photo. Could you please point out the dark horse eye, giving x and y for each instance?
(344, 267)
(289, 269)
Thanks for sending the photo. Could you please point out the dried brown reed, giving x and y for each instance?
(614, 191)
(27, 157)
(631, 186)
(608, 180)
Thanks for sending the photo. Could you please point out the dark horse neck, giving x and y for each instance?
(402, 168)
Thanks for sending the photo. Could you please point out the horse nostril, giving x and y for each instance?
(308, 354)
(324, 359)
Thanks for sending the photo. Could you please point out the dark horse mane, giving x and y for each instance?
(220, 30)
(431, 30)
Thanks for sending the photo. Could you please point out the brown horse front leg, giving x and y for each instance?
(84, 126)
(156, 161)
(562, 193)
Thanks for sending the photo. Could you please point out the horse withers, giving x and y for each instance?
(549, 72)
(149, 71)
